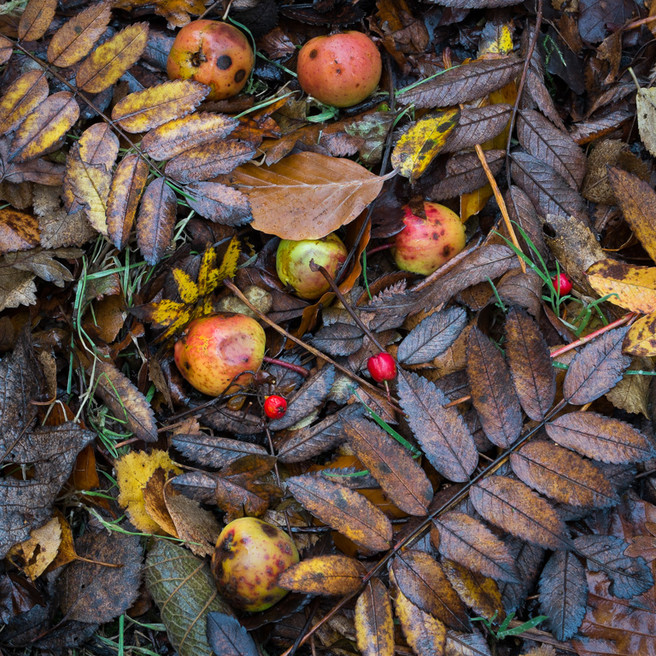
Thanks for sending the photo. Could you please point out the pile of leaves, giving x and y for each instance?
(497, 498)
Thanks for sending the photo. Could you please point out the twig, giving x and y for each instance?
(302, 371)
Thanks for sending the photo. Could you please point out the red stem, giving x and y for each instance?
(288, 365)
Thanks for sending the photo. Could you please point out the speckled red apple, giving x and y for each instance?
(340, 69)
(426, 243)
(214, 53)
(249, 558)
(214, 352)
(293, 263)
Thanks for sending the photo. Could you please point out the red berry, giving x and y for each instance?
(275, 406)
(562, 284)
(382, 367)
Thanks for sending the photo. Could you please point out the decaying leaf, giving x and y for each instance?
(156, 220)
(324, 575)
(227, 636)
(478, 592)
(641, 338)
(423, 632)
(36, 19)
(629, 286)
(374, 626)
(21, 97)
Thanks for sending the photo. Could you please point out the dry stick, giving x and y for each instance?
(459, 496)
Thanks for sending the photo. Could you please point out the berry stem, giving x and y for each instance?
(377, 249)
(288, 365)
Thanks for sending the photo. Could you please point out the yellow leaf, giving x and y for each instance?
(228, 266)
(36, 19)
(132, 473)
(641, 338)
(187, 288)
(41, 548)
(497, 39)
(633, 287)
(207, 279)
(90, 185)
(473, 202)
(21, 97)
(166, 312)
(417, 148)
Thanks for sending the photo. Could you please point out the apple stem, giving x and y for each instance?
(382, 247)
(288, 365)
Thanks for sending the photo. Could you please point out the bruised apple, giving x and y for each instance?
(427, 242)
(340, 69)
(214, 53)
(218, 353)
(249, 558)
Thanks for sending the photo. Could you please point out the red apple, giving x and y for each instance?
(427, 242)
(340, 69)
(214, 53)
(215, 352)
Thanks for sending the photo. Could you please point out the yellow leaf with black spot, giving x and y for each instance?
(641, 338)
(417, 148)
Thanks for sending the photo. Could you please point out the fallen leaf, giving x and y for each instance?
(374, 625)
(36, 19)
(629, 286)
(21, 98)
(423, 632)
(324, 575)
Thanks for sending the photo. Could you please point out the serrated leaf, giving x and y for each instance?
(466, 644)
(21, 97)
(156, 220)
(174, 137)
(209, 160)
(219, 203)
(477, 125)
(6, 49)
(391, 464)
(418, 146)
(600, 437)
(515, 508)
(477, 4)
(374, 625)
(441, 432)
(344, 510)
(596, 368)
(478, 592)
(423, 632)
(432, 336)
(73, 40)
(148, 109)
(646, 114)
(422, 580)
(641, 338)
(18, 231)
(630, 286)
(36, 19)
(464, 173)
(324, 575)
(562, 475)
(44, 127)
(213, 451)
(110, 60)
(338, 339)
(530, 364)
(227, 636)
(468, 541)
(492, 391)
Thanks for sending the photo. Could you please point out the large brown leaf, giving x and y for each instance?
(374, 625)
(156, 220)
(324, 575)
(442, 432)
(491, 390)
(345, 510)
(21, 97)
(306, 196)
(36, 19)
(530, 364)
(391, 464)
(515, 508)
(423, 632)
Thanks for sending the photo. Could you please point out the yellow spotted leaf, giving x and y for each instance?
(110, 60)
(44, 127)
(632, 287)
(374, 624)
(132, 473)
(423, 632)
(73, 40)
(36, 19)
(176, 12)
(417, 147)
(21, 97)
(99, 146)
(641, 338)
(479, 592)
(144, 110)
(496, 39)
(324, 575)
(18, 231)
(41, 548)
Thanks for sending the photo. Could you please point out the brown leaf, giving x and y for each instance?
(441, 432)
(18, 231)
(110, 60)
(552, 146)
(374, 625)
(44, 127)
(600, 437)
(562, 475)
(91, 590)
(515, 508)
(148, 109)
(344, 510)
(228, 637)
(424, 633)
(491, 390)
(596, 368)
(468, 541)
(324, 575)
(6, 49)
(421, 579)
(212, 451)
(530, 364)
(23, 95)
(40, 171)
(237, 501)
(73, 40)
(219, 203)
(478, 4)
(125, 191)
(36, 19)
(478, 592)
(306, 196)
(156, 220)
(630, 286)
(463, 83)
(522, 289)
(177, 136)
(476, 126)
(464, 173)
(209, 160)
(154, 504)
(392, 465)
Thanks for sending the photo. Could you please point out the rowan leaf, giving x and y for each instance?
(374, 625)
(478, 592)
(219, 203)
(441, 432)
(514, 507)
(18, 231)
(156, 220)
(36, 19)
(464, 173)
(228, 637)
(324, 575)
(75, 38)
(416, 148)
(629, 286)
(646, 110)
(148, 109)
(423, 632)
(307, 195)
(110, 60)
(477, 125)
(641, 338)
(21, 97)
(344, 510)
(213, 451)
(6, 49)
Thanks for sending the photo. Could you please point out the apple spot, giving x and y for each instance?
(240, 75)
(224, 62)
